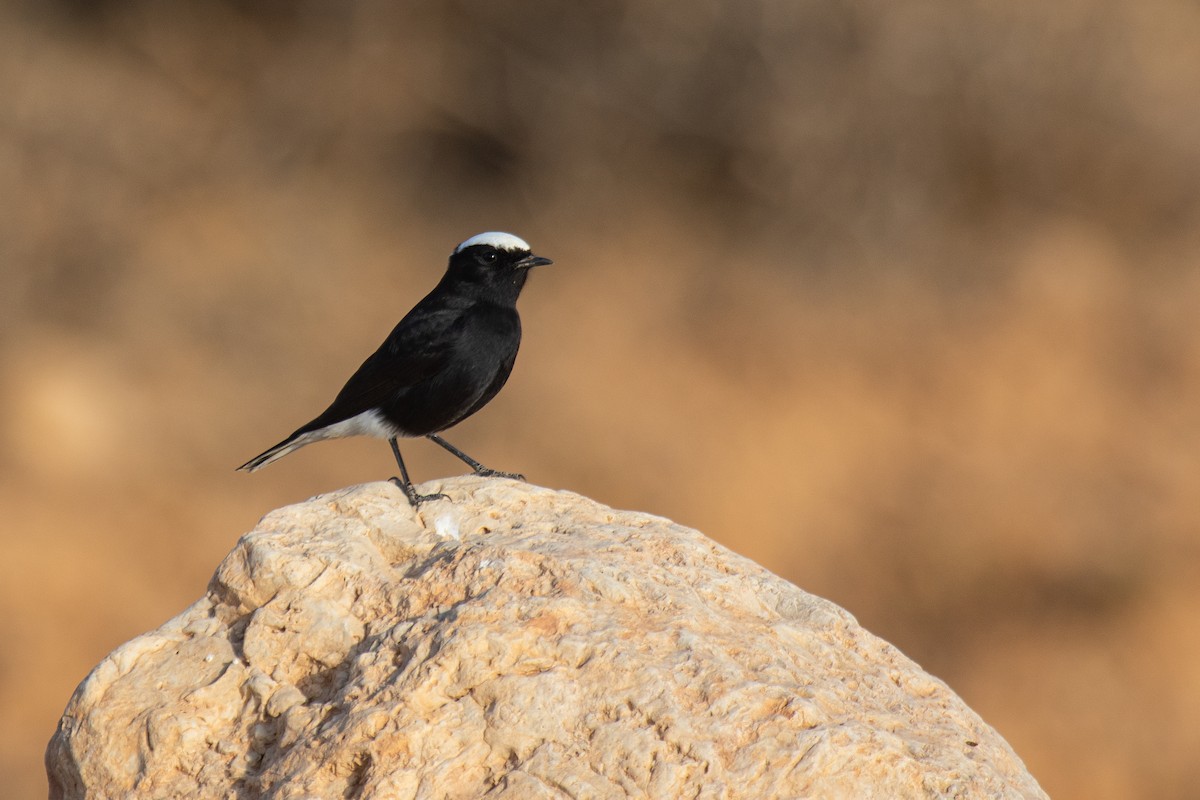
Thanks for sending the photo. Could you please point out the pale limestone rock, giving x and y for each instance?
(512, 642)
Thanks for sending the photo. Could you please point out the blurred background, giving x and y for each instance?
(899, 299)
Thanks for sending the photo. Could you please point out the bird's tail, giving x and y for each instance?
(293, 442)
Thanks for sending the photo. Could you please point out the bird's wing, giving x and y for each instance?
(416, 349)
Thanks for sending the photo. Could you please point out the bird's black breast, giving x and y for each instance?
(476, 355)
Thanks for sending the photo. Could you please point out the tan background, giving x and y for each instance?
(899, 299)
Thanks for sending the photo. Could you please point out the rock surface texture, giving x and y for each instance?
(512, 642)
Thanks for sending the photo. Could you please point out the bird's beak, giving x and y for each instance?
(532, 261)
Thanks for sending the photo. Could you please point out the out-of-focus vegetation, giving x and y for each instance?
(900, 300)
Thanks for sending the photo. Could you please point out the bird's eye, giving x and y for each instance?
(488, 257)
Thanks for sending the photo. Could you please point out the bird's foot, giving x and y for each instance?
(415, 499)
(485, 472)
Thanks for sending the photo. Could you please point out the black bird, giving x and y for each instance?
(446, 359)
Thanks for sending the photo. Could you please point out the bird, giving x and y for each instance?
(445, 360)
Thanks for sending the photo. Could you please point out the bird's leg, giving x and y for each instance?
(480, 469)
(405, 484)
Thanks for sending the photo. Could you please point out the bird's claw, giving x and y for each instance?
(415, 499)
(485, 472)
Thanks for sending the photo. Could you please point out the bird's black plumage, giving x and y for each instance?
(443, 362)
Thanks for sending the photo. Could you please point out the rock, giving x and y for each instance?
(512, 642)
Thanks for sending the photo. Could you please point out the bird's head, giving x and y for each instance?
(494, 259)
